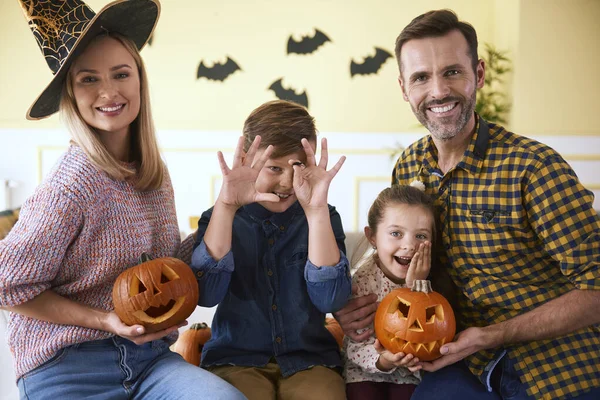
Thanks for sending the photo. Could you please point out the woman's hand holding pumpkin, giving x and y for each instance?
(388, 360)
(239, 180)
(136, 333)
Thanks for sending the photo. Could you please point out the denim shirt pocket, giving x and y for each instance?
(298, 258)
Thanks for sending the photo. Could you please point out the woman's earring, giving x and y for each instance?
(374, 247)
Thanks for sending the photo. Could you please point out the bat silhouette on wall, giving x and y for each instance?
(288, 94)
(308, 44)
(218, 72)
(371, 64)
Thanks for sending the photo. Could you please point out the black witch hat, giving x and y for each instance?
(63, 28)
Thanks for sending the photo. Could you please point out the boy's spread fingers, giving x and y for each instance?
(237, 156)
(224, 168)
(324, 154)
(260, 163)
(252, 151)
(338, 165)
(310, 154)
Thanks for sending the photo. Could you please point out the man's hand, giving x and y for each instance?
(467, 342)
(359, 313)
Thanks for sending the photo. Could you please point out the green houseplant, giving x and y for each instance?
(492, 102)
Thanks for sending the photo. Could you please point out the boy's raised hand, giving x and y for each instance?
(311, 181)
(419, 265)
(238, 182)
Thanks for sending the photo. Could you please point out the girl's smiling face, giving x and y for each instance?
(399, 233)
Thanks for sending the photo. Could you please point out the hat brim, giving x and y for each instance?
(134, 19)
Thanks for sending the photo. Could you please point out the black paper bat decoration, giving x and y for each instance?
(218, 72)
(150, 39)
(308, 44)
(288, 94)
(370, 65)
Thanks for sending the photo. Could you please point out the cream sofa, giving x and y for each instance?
(8, 386)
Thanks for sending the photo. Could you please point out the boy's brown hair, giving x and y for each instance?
(282, 124)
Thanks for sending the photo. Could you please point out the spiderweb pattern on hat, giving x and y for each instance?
(56, 27)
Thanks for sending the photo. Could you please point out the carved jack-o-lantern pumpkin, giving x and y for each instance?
(158, 293)
(415, 322)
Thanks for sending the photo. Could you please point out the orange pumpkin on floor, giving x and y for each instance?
(158, 293)
(335, 329)
(415, 322)
(190, 343)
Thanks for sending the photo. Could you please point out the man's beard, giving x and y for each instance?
(443, 129)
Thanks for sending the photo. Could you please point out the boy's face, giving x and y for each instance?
(277, 176)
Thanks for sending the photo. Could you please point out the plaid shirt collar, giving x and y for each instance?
(473, 158)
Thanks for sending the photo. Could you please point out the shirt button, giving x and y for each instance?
(442, 189)
(282, 228)
(274, 307)
(271, 241)
(199, 274)
(270, 273)
(278, 339)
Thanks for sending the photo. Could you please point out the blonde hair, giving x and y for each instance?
(144, 147)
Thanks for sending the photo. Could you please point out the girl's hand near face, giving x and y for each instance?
(419, 265)
(388, 360)
(238, 187)
(311, 181)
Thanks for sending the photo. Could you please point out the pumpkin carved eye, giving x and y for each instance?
(404, 308)
(433, 312)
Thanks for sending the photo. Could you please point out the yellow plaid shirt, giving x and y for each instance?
(517, 229)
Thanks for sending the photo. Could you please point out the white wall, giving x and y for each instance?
(191, 156)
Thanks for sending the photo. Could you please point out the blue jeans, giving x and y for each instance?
(457, 382)
(117, 368)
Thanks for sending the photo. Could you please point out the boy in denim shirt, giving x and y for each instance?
(271, 254)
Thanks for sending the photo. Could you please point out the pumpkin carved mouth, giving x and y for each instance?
(409, 347)
(161, 303)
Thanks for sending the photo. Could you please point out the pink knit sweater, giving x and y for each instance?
(75, 235)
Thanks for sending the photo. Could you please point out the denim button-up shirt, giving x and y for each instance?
(272, 299)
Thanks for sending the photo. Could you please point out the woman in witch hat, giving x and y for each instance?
(108, 200)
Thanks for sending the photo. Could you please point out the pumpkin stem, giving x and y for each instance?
(421, 286)
(198, 325)
(145, 257)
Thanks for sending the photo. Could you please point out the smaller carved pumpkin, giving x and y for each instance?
(190, 343)
(158, 293)
(335, 329)
(415, 322)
